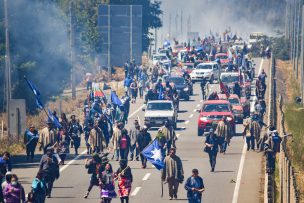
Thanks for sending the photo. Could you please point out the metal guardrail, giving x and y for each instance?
(269, 178)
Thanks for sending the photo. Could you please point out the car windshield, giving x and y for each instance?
(234, 101)
(160, 58)
(188, 66)
(160, 107)
(178, 81)
(205, 67)
(229, 78)
(216, 108)
(223, 57)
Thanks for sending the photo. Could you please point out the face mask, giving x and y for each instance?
(14, 183)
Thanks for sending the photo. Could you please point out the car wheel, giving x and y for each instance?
(200, 132)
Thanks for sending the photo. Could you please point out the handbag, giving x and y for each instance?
(207, 149)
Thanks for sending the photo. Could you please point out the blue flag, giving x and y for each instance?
(53, 119)
(153, 154)
(39, 103)
(32, 86)
(115, 99)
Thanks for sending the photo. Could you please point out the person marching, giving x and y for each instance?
(212, 142)
(173, 172)
(96, 139)
(143, 140)
(47, 137)
(49, 166)
(195, 187)
(252, 131)
(115, 139)
(93, 167)
(134, 132)
(39, 188)
(125, 179)
(272, 147)
(170, 135)
(14, 191)
(224, 132)
(107, 184)
(124, 144)
(31, 138)
(75, 130)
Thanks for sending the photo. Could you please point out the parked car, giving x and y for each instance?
(211, 113)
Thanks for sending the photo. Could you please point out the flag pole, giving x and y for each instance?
(162, 184)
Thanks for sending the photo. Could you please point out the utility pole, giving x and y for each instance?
(131, 33)
(72, 54)
(181, 23)
(302, 56)
(170, 26)
(298, 37)
(7, 68)
(176, 25)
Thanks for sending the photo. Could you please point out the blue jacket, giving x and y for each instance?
(127, 82)
(194, 183)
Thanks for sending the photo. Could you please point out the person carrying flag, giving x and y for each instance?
(143, 140)
(173, 172)
(125, 179)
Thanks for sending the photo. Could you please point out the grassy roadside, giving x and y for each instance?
(68, 105)
(294, 123)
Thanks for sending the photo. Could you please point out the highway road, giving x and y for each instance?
(236, 178)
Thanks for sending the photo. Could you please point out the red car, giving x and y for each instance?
(240, 106)
(211, 113)
(224, 59)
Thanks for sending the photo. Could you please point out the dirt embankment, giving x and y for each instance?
(288, 86)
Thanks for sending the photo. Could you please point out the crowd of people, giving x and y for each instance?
(104, 130)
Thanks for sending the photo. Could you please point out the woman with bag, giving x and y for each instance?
(39, 188)
(212, 144)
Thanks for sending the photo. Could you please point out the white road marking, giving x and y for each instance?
(186, 122)
(183, 127)
(177, 135)
(134, 193)
(241, 166)
(72, 161)
(146, 177)
(202, 100)
(255, 97)
(197, 105)
(239, 176)
(135, 112)
(194, 110)
(191, 116)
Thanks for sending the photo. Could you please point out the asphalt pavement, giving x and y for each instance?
(234, 170)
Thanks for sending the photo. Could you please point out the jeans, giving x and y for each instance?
(173, 187)
(212, 158)
(143, 160)
(132, 148)
(116, 154)
(30, 151)
(124, 153)
(141, 92)
(224, 145)
(250, 142)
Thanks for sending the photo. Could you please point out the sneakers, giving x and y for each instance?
(86, 196)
